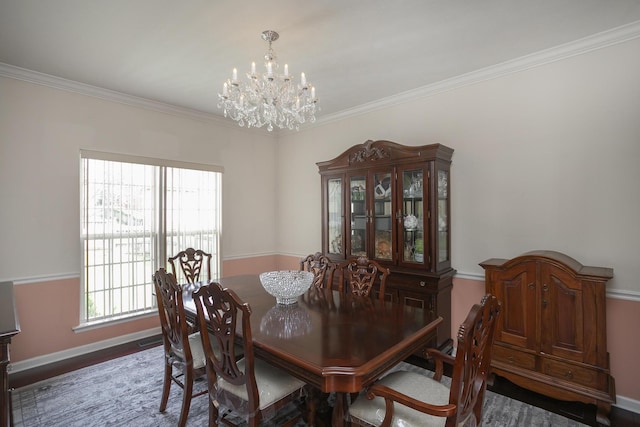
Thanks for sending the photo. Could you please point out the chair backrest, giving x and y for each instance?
(221, 309)
(473, 358)
(192, 261)
(175, 333)
(321, 267)
(360, 274)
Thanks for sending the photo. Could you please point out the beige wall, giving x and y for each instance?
(544, 159)
(41, 133)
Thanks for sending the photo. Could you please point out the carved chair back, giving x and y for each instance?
(321, 267)
(175, 332)
(221, 310)
(473, 358)
(360, 275)
(192, 262)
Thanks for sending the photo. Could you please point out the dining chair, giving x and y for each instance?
(182, 349)
(408, 399)
(360, 274)
(192, 262)
(321, 267)
(249, 387)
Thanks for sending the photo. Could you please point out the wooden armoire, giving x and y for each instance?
(551, 335)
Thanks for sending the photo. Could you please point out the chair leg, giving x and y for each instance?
(186, 395)
(253, 421)
(213, 413)
(166, 385)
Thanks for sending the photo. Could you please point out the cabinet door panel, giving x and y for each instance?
(414, 243)
(334, 228)
(383, 225)
(442, 239)
(516, 290)
(358, 228)
(562, 332)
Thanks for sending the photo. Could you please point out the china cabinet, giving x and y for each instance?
(551, 336)
(391, 203)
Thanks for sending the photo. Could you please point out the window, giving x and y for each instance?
(135, 213)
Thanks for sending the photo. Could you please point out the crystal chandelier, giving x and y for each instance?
(270, 98)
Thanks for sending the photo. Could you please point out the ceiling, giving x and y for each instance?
(355, 52)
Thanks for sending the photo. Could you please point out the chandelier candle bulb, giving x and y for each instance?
(253, 68)
(225, 90)
(303, 80)
(235, 75)
(286, 70)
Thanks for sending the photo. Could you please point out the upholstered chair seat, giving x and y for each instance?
(197, 352)
(272, 384)
(412, 384)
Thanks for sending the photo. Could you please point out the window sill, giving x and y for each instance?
(89, 326)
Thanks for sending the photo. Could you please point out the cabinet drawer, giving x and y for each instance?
(514, 357)
(569, 372)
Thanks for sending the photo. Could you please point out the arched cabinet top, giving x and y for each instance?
(558, 259)
(381, 152)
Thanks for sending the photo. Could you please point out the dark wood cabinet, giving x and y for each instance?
(9, 327)
(391, 203)
(551, 335)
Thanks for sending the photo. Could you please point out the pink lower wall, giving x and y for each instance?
(49, 310)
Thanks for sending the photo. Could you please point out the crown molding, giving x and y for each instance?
(11, 71)
(578, 47)
(584, 45)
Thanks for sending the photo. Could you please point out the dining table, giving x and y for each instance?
(334, 341)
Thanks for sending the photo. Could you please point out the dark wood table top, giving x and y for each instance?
(334, 341)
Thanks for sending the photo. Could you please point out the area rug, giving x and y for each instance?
(126, 392)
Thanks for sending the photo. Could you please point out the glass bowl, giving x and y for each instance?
(286, 285)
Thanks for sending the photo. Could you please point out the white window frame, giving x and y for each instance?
(170, 233)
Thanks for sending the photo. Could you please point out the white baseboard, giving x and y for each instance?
(81, 350)
(628, 404)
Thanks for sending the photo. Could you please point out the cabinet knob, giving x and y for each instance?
(511, 359)
(569, 375)
(544, 303)
(423, 283)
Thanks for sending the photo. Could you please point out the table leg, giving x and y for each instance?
(339, 407)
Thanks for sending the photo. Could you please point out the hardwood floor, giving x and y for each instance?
(574, 410)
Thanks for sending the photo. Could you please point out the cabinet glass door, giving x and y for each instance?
(383, 216)
(413, 236)
(335, 217)
(443, 216)
(359, 216)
